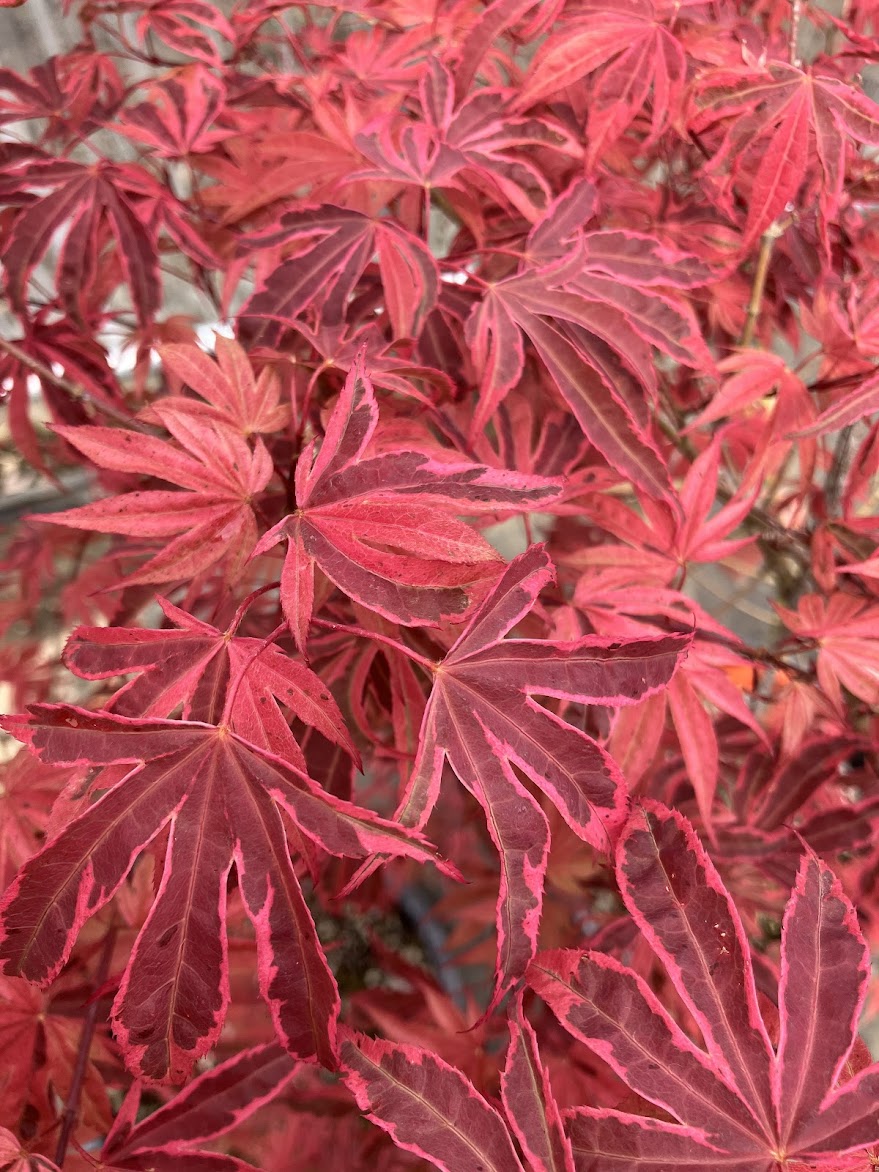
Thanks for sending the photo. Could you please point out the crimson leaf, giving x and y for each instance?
(380, 527)
(735, 1102)
(221, 798)
(482, 717)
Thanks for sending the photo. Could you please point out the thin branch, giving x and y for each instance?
(71, 1107)
(796, 15)
(758, 287)
(73, 389)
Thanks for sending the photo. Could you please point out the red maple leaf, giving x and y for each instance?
(195, 665)
(635, 56)
(175, 1136)
(483, 719)
(222, 799)
(735, 1101)
(212, 520)
(338, 246)
(382, 527)
(476, 144)
(785, 136)
(430, 1108)
(232, 394)
(93, 205)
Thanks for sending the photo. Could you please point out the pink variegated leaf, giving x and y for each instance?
(678, 900)
(736, 1104)
(221, 797)
(612, 1010)
(382, 528)
(606, 418)
(427, 1106)
(212, 1104)
(643, 261)
(340, 243)
(176, 119)
(846, 410)
(211, 520)
(483, 718)
(530, 1105)
(825, 970)
(195, 665)
(604, 1140)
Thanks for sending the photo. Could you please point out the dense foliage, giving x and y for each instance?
(455, 427)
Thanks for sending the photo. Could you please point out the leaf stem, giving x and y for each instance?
(71, 1107)
(386, 639)
(235, 682)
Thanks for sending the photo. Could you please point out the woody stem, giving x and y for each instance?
(758, 286)
(58, 380)
(71, 1107)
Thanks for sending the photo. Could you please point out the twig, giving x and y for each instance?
(71, 1107)
(73, 389)
(796, 14)
(767, 243)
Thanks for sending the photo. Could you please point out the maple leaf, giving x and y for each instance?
(27, 793)
(13, 1156)
(735, 1101)
(478, 143)
(698, 533)
(175, 1136)
(340, 243)
(637, 57)
(50, 345)
(430, 1108)
(233, 395)
(196, 666)
(184, 25)
(847, 635)
(593, 334)
(90, 202)
(712, 655)
(79, 89)
(785, 132)
(849, 408)
(39, 1034)
(177, 119)
(213, 519)
(221, 797)
(379, 527)
(482, 717)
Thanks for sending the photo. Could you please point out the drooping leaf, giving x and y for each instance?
(483, 718)
(427, 1106)
(170, 1138)
(529, 1102)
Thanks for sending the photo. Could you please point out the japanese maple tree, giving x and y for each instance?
(440, 598)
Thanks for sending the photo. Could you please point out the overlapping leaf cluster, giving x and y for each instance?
(453, 429)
